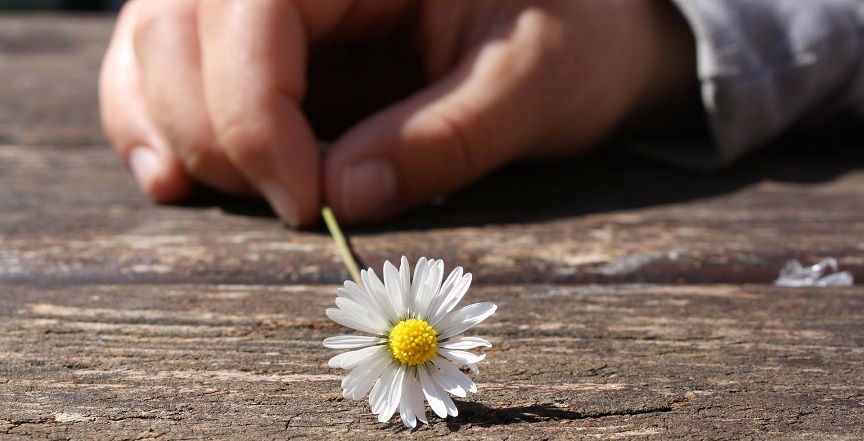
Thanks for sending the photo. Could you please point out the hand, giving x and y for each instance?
(212, 91)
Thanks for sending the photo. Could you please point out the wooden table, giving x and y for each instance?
(636, 299)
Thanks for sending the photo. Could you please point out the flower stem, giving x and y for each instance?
(341, 243)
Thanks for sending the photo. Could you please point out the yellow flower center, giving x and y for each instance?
(413, 342)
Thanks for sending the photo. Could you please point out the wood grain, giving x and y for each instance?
(72, 214)
(211, 361)
(635, 298)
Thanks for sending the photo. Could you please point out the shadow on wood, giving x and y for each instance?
(606, 181)
(471, 413)
(614, 180)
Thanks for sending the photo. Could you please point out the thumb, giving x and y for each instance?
(471, 121)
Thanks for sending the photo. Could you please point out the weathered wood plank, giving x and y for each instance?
(123, 361)
(73, 215)
(69, 212)
(49, 68)
(122, 319)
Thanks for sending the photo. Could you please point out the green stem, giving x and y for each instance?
(341, 243)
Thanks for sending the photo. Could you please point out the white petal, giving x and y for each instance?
(393, 286)
(347, 320)
(336, 361)
(447, 383)
(405, 283)
(357, 310)
(464, 319)
(350, 360)
(438, 399)
(451, 372)
(420, 271)
(379, 293)
(353, 291)
(451, 406)
(358, 382)
(444, 292)
(408, 409)
(407, 414)
(451, 298)
(352, 341)
(461, 356)
(451, 279)
(394, 396)
(356, 320)
(466, 343)
(417, 399)
(381, 390)
(430, 289)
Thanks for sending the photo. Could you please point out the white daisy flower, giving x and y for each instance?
(413, 341)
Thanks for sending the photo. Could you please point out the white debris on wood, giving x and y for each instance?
(793, 274)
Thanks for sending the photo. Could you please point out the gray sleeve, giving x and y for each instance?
(768, 65)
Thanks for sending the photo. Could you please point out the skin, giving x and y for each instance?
(226, 93)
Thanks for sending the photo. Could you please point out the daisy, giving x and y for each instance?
(413, 339)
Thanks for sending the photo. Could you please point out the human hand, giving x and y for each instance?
(211, 91)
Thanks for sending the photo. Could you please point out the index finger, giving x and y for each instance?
(254, 67)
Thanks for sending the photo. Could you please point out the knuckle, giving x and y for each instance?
(197, 156)
(146, 24)
(189, 139)
(204, 159)
(458, 137)
(244, 138)
(154, 19)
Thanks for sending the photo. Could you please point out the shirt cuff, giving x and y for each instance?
(766, 65)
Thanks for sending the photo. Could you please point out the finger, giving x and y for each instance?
(254, 61)
(484, 113)
(166, 45)
(127, 122)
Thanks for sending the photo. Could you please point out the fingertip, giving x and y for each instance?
(161, 178)
(283, 203)
(399, 158)
(365, 190)
(276, 151)
(145, 166)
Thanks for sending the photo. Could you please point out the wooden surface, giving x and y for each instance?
(635, 299)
